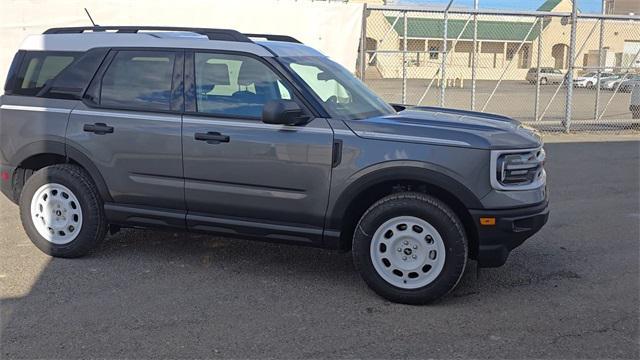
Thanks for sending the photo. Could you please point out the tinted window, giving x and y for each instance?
(38, 68)
(139, 79)
(72, 80)
(235, 85)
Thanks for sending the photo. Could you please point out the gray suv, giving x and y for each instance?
(258, 136)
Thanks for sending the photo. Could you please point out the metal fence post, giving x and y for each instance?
(572, 58)
(596, 110)
(404, 60)
(363, 43)
(443, 73)
(474, 64)
(537, 106)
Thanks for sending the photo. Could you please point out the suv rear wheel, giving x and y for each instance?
(62, 212)
(410, 248)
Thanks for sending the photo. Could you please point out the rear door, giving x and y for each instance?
(129, 126)
(256, 179)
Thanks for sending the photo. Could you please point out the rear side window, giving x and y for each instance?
(139, 79)
(73, 79)
(38, 69)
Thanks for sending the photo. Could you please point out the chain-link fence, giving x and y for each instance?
(511, 63)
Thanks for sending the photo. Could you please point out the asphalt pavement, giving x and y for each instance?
(571, 291)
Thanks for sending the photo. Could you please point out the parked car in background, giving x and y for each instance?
(590, 80)
(612, 84)
(547, 76)
(626, 85)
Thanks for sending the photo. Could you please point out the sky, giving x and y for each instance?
(587, 6)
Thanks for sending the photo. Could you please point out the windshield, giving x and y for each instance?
(343, 95)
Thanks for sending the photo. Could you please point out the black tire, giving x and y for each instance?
(425, 207)
(544, 81)
(94, 224)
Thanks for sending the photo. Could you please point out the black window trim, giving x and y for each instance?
(177, 94)
(14, 69)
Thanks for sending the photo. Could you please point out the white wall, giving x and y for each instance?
(331, 27)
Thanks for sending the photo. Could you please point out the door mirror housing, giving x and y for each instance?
(283, 112)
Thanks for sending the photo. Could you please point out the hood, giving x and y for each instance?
(448, 127)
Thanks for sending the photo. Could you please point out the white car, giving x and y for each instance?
(590, 80)
(629, 83)
(611, 84)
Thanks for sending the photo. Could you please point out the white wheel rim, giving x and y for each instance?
(407, 252)
(56, 213)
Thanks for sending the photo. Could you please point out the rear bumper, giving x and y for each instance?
(511, 229)
(6, 181)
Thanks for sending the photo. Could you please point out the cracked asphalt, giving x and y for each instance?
(571, 291)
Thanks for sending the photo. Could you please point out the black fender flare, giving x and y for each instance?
(390, 171)
(70, 153)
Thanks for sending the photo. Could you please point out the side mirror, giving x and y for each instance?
(283, 112)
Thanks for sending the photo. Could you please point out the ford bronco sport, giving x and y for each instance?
(258, 136)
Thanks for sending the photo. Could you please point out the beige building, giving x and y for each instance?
(622, 7)
(506, 44)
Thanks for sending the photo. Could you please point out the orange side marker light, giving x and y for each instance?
(487, 221)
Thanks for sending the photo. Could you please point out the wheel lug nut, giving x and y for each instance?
(414, 257)
(404, 258)
(415, 247)
(406, 242)
(399, 249)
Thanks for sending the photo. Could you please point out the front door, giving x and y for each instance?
(242, 176)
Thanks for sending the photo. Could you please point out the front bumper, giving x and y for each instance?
(512, 227)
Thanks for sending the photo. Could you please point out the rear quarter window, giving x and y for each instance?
(38, 69)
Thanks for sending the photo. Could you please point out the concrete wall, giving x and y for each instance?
(331, 27)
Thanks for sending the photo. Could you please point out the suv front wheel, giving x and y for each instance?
(62, 212)
(410, 248)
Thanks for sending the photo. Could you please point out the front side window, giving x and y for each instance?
(38, 68)
(235, 85)
(343, 95)
(139, 79)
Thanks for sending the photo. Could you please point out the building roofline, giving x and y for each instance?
(428, 8)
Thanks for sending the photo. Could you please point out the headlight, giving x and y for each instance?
(518, 169)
